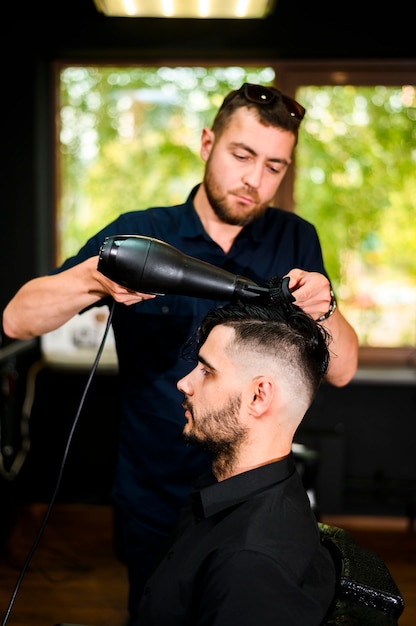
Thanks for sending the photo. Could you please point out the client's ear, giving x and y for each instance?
(263, 390)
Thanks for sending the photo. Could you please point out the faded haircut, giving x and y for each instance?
(274, 326)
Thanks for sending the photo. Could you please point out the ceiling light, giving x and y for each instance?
(186, 8)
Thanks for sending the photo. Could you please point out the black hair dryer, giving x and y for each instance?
(152, 266)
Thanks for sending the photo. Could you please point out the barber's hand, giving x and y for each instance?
(106, 287)
(311, 290)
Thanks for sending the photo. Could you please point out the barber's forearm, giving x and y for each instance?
(45, 303)
(343, 349)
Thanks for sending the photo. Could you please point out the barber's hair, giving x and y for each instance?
(275, 113)
(272, 325)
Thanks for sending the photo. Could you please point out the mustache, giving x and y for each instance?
(244, 191)
(186, 404)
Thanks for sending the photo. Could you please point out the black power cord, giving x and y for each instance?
(58, 482)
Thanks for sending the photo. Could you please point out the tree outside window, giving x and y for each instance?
(355, 180)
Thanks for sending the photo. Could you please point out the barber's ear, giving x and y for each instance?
(207, 141)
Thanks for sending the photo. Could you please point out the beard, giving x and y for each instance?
(218, 433)
(218, 201)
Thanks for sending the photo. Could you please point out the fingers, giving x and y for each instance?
(128, 297)
(312, 291)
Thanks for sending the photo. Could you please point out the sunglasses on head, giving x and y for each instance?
(267, 95)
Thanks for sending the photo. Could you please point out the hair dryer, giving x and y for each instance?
(155, 267)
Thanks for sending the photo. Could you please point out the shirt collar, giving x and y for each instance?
(210, 499)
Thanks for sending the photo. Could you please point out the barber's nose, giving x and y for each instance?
(253, 175)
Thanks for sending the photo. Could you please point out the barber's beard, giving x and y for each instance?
(218, 201)
(219, 433)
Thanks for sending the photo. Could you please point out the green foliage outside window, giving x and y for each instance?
(355, 180)
(129, 139)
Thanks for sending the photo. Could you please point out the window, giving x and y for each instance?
(129, 139)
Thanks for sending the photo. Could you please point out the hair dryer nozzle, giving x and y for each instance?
(152, 266)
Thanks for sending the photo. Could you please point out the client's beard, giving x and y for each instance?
(219, 433)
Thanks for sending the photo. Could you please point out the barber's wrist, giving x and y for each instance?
(332, 307)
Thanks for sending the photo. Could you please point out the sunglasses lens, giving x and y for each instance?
(259, 94)
(294, 108)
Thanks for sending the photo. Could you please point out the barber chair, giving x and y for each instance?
(366, 594)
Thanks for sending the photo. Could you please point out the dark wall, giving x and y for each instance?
(364, 434)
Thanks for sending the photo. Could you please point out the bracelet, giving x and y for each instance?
(332, 307)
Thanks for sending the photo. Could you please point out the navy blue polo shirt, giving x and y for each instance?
(247, 551)
(155, 467)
